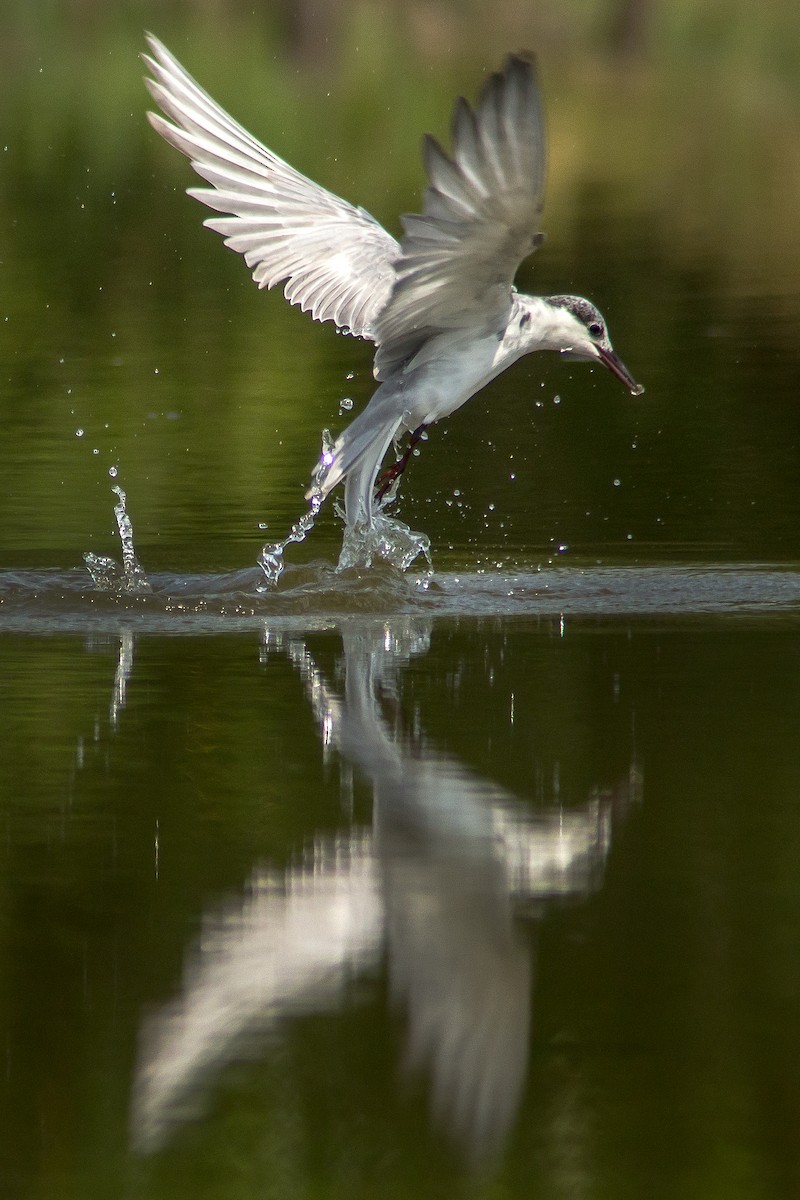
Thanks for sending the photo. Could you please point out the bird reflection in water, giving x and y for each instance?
(434, 885)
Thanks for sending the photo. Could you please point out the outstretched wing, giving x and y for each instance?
(480, 218)
(336, 260)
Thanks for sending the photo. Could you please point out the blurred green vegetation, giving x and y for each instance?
(672, 199)
(694, 104)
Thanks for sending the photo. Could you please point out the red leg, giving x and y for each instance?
(396, 470)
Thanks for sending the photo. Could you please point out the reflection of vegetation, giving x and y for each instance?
(678, 983)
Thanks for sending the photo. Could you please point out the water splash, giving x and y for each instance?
(383, 539)
(271, 557)
(108, 575)
(326, 457)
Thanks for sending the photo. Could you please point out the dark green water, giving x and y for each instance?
(365, 888)
(554, 863)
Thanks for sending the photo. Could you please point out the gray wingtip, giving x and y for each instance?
(520, 61)
(522, 67)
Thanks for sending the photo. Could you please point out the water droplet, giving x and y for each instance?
(617, 483)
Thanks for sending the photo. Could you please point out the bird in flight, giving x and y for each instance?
(440, 304)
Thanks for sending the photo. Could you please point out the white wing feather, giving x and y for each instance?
(335, 259)
(455, 266)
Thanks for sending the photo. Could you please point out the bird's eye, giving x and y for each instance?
(595, 329)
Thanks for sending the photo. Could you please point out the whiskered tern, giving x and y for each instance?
(440, 304)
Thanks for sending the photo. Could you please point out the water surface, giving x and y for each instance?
(363, 902)
(475, 879)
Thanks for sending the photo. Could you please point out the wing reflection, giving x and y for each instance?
(434, 884)
(291, 946)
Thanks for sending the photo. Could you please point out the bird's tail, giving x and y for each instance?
(356, 457)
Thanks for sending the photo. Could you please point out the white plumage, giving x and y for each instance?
(439, 304)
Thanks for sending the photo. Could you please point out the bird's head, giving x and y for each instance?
(579, 332)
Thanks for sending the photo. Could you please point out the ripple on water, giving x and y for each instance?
(50, 600)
